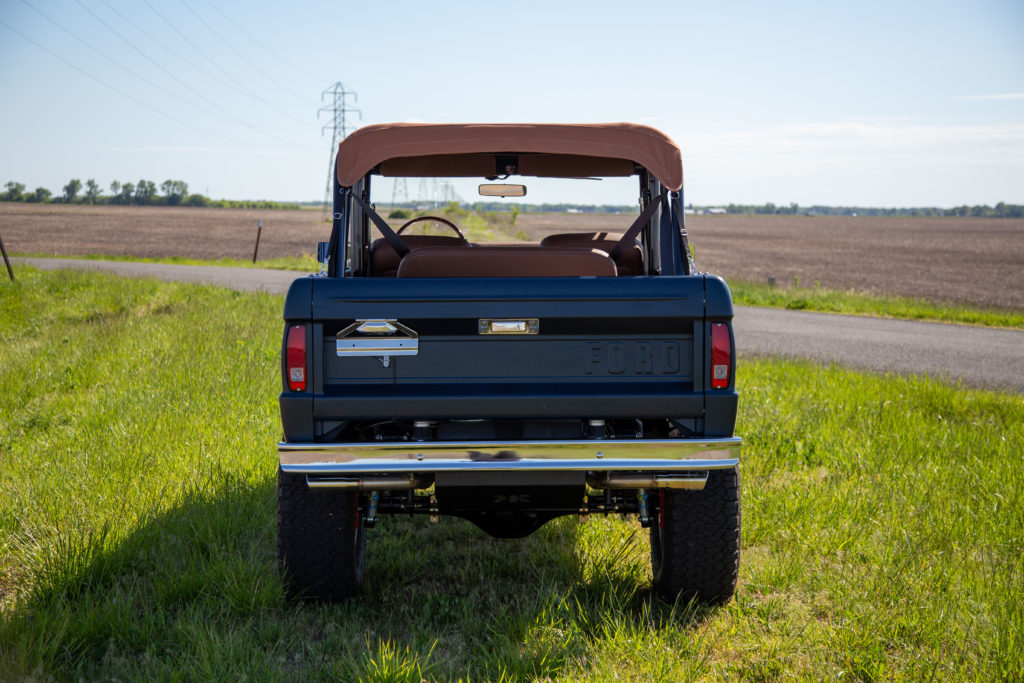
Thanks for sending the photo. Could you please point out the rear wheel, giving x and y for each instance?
(321, 540)
(695, 542)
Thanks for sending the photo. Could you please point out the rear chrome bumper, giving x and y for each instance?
(466, 456)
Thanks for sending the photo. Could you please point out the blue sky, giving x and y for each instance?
(867, 103)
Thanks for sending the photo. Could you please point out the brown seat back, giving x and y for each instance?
(384, 258)
(631, 262)
(506, 262)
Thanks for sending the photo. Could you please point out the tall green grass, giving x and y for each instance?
(304, 263)
(852, 302)
(883, 525)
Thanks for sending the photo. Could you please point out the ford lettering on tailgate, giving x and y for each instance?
(631, 358)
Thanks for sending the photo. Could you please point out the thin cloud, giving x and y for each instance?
(999, 96)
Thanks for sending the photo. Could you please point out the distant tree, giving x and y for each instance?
(15, 192)
(115, 188)
(71, 190)
(40, 196)
(145, 192)
(197, 200)
(92, 191)
(175, 191)
(125, 194)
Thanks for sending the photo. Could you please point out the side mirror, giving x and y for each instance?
(322, 252)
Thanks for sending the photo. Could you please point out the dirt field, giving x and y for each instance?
(158, 231)
(972, 261)
(976, 261)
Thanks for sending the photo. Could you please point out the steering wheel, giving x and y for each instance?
(433, 218)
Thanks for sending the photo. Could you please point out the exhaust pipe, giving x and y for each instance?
(406, 483)
(691, 481)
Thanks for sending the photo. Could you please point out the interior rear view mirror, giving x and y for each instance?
(502, 190)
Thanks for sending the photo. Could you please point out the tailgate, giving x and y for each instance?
(562, 347)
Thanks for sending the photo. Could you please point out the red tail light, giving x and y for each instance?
(721, 356)
(295, 358)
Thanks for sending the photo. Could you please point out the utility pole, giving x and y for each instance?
(339, 110)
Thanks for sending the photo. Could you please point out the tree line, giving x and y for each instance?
(142, 193)
(175, 193)
(1000, 210)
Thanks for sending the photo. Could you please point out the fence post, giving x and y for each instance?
(259, 230)
(7, 261)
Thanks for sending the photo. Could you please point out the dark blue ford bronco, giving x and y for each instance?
(509, 383)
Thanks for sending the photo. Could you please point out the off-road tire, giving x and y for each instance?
(695, 541)
(321, 540)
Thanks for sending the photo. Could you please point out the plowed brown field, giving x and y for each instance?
(154, 231)
(971, 261)
(977, 261)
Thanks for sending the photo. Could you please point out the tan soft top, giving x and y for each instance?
(543, 149)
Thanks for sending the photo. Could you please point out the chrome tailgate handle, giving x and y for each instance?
(376, 327)
(377, 338)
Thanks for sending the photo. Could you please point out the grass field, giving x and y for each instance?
(302, 264)
(883, 525)
(744, 293)
(852, 302)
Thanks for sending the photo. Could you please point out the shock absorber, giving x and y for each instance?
(641, 503)
(371, 513)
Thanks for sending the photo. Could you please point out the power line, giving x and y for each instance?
(133, 72)
(260, 43)
(221, 69)
(119, 91)
(223, 112)
(90, 46)
(339, 109)
(176, 53)
(245, 59)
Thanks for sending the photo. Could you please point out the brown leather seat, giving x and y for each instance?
(384, 258)
(528, 261)
(631, 262)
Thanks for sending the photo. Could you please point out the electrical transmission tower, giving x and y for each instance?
(423, 193)
(399, 193)
(339, 109)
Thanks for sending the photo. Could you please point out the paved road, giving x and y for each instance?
(976, 355)
(247, 279)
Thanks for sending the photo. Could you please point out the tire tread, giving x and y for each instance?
(700, 557)
(320, 555)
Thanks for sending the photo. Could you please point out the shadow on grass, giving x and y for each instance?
(193, 590)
